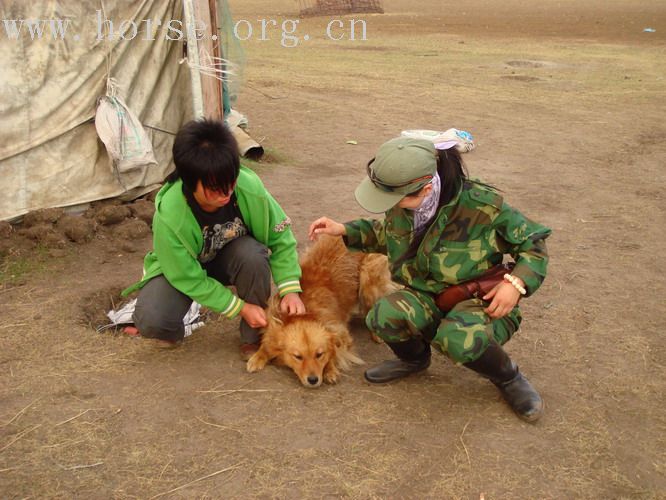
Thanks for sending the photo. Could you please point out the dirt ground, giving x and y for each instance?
(566, 101)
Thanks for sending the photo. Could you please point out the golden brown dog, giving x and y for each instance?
(317, 345)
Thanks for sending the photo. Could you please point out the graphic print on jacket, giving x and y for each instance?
(218, 228)
(217, 236)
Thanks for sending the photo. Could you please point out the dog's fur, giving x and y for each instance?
(317, 345)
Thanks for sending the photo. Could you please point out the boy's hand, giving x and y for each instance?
(254, 315)
(291, 304)
(324, 225)
(504, 298)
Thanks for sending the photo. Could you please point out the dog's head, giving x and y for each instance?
(305, 345)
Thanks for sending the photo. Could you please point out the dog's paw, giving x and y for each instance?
(331, 375)
(256, 362)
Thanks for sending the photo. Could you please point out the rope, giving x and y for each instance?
(217, 67)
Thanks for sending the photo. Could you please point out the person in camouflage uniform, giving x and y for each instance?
(440, 229)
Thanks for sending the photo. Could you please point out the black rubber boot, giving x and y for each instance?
(495, 365)
(413, 356)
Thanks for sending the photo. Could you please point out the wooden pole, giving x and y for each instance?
(205, 13)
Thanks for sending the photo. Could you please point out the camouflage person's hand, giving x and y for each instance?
(503, 298)
(324, 225)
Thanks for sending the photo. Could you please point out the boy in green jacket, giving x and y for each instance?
(215, 225)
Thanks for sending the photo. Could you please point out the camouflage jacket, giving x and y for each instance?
(469, 235)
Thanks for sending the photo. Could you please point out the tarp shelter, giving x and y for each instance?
(50, 154)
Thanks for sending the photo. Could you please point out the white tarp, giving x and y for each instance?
(50, 154)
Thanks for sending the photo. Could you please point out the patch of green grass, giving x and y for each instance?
(15, 268)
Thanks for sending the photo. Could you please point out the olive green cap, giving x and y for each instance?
(402, 166)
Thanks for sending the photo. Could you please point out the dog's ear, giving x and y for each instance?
(274, 350)
(333, 344)
(336, 327)
(338, 330)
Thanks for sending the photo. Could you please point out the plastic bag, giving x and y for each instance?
(123, 316)
(122, 133)
(464, 140)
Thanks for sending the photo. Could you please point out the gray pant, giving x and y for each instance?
(243, 263)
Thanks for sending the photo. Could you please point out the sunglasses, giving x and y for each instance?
(392, 187)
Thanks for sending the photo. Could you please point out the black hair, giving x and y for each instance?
(206, 150)
(452, 174)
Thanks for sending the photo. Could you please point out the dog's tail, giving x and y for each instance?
(374, 280)
(347, 358)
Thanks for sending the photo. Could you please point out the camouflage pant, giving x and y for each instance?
(463, 334)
